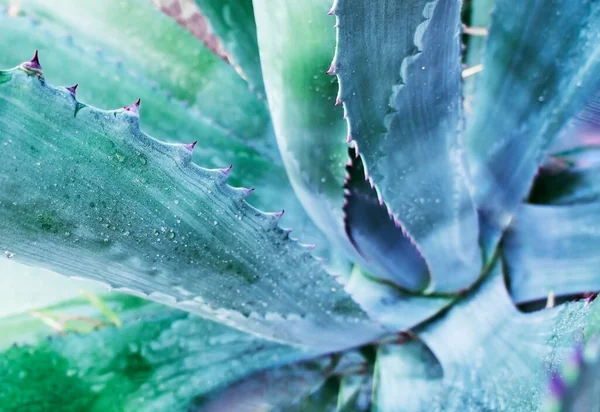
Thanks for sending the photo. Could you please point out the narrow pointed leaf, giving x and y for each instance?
(187, 14)
(158, 360)
(355, 393)
(310, 130)
(103, 200)
(399, 70)
(536, 77)
(110, 80)
(388, 253)
(496, 358)
(553, 249)
(233, 22)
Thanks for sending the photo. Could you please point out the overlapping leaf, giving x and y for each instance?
(541, 65)
(105, 201)
(399, 70)
(553, 249)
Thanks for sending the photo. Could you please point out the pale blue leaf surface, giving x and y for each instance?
(105, 201)
(541, 66)
(393, 308)
(581, 131)
(399, 69)
(494, 357)
(553, 249)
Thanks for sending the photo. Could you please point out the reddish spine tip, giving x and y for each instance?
(73, 89)
(331, 70)
(349, 138)
(338, 101)
(226, 170)
(331, 12)
(190, 146)
(134, 108)
(248, 191)
(35, 61)
(279, 214)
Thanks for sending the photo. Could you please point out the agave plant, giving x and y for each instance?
(454, 208)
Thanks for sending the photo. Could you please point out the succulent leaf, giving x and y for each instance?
(159, 360)
(553, 249)
(310, 130)
(105, 201)
(388, 252)
(405, 375)
(106, 81)
(355, 393)
(494, 357)
(276, 389)
(541, 65)
(399, 69)
(233, 22)
(392, 307)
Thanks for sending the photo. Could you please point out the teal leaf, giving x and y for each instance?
(399, 68)
(541, 65)
(392, 307)
(276, 389)
(494, 357)
(553, 249)
(110, 80)
(389, 254)
(310, 129)
(405, 375)
(233, 23)
(105, 201)
(479, 12)
(159, 360)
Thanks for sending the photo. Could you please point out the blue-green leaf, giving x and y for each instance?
(110, 79)
(311, 131)
(541, 65)
(399, 69)
(581, 131)
(103, 200)
(494, 357)
(553, 249)
(388, 252)
(159, 360)
(406, 374)
(233, 23)
(393, 308)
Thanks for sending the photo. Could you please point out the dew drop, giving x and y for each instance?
(8, 254)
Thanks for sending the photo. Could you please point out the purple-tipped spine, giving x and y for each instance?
(73, 89)
(134, 108)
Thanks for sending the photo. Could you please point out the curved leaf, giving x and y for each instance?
(187, 14)
(535, 78)
(553, 249)
(105, 201)
(233, 22)
(388, 253)
(494, 357)
(393, 308)
(310, 130)
(106, 81)
(158, 360)
(399, 70)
